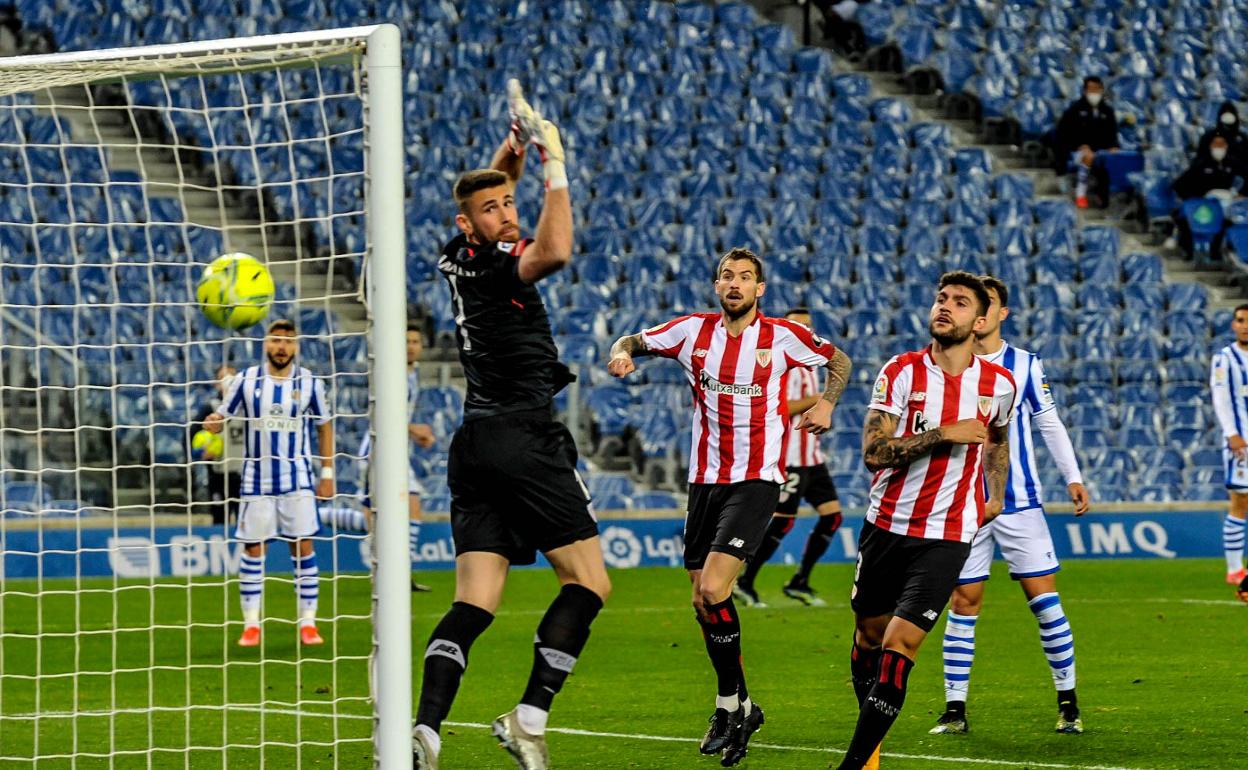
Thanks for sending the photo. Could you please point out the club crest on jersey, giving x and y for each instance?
(985, 405)
(763, 357)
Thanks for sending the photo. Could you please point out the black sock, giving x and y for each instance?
(721, 628)
(1067, 699)
(879, 710)
(560, 638)
(446, 657)
(776, 530)
(817, 545)
(864, 667)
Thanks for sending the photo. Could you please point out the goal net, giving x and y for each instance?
(124, 173)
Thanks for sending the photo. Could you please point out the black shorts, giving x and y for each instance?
(910, 577)
(729, 518)
(811, 483)
(514, 487)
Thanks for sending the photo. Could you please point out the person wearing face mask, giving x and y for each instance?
(1088, 126)
(1213, 171)
(1228, 127)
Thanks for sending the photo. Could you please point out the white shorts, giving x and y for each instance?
(1236, 471)
(291, 515)
(1025, 543)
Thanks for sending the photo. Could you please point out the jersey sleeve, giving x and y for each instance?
(1039, 396)
(1220, 390)
(667, 340)
(802, 347)
(1007, 396)
(233, 400)
(892, 388)
(318, 404)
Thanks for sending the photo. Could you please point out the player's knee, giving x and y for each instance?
(714, 591)
(600, 584)
(965, 603)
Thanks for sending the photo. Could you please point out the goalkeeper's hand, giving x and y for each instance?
(525, 122)
(550, 147)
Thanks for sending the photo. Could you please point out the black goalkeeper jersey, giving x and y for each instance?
(502, 330)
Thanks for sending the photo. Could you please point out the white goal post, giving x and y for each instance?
(77, 241)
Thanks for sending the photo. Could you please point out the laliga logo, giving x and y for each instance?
(620, 547)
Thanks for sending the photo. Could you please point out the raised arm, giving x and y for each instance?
(996, 469)
(551, 249)
(623, 352)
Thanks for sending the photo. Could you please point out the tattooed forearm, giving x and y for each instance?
(880, 449)
(997, 465)
(630, 345)
(839, 367)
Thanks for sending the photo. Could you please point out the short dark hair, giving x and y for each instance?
(742, 253)
(1093, 79)
(473, 181)
(997, 285)
(799, 310)
(1238, 308)
(970, 281)
(415, 326)
(282, 325)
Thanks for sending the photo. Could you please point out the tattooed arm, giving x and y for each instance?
(622, 353)
(818, 418)
(881, 449)
(996, 469)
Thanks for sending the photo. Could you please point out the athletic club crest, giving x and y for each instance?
(763, 357)
(985, 405)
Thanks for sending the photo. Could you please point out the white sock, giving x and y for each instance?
(434, 740)
(747, 705)
(727, 702)
(1233, 543)
(532, 719)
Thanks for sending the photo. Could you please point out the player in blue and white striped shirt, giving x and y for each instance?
(1228, 381)
(1020, 531)
(352, 520)
(280, 403)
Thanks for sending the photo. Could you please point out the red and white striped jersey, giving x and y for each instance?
(803, 446)
(939, 496)
(738, 390)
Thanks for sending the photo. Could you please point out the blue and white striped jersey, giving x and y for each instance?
(279, 414)
(1022, 487)
(1228, 381)
(413, 395)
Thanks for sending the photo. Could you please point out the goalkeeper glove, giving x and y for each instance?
(525, 122)
(550, 148)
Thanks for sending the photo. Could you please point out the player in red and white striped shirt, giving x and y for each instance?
(806, 479)
(736, 361)
(937, 426)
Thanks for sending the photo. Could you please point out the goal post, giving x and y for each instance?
(123, 173)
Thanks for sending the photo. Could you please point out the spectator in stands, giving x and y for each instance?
(1088, 126)
(224, 474)
(840, 30)
(1227, 127)
(1214, 172)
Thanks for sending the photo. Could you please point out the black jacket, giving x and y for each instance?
(1207, 174)
(1082, 124)
(1236, 139)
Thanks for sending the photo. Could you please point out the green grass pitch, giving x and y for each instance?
(1162, 681)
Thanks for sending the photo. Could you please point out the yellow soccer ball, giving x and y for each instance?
(204, 442)
(235, 291)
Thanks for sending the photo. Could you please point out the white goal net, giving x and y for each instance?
(122, 175)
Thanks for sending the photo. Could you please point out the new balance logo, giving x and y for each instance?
(709, 383)
(930, 614)
(736, 542)
(446, 649)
